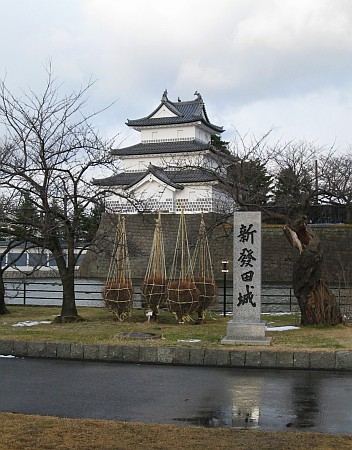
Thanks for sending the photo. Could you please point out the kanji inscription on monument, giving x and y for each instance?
(246, 327)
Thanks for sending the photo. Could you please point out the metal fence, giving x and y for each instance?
(48, 292)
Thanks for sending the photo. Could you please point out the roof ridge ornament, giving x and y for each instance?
(199, 97)
(164, 97)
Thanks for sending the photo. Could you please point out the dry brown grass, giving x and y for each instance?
(37, 432)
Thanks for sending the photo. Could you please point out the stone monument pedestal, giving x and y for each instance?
(245, 334)
(246, 327)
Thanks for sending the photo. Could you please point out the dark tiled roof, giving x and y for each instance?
(120, 179)
(193, 176)
(164, 176)
(172, 178)
(156, 148)
(186, 112)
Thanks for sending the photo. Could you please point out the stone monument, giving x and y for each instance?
(246, 327)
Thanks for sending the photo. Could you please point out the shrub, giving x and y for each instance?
(182, 298)
(118, 298)
(153, 293)
(207, 294)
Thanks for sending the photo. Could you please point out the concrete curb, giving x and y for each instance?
(190, 356)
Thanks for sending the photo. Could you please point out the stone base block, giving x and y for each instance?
(245, 334)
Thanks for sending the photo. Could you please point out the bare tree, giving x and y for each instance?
(255, 170)
(295, 186)
(317, 303)
(12, 248)
(8, 242)
(241, 169)
(48, 154)
(9, 246)
(336, 181)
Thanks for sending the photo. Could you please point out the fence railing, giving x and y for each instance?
(275, 298)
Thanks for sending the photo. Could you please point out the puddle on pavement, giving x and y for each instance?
(299, 401)
(212, 419)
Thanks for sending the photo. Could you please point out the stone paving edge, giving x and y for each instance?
(190, 356)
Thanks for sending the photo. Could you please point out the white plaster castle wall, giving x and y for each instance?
(222, 202)
(155, 197)
(202, 135)
(173, 161)
(163, 112)
(176, 133)
(194, 199)
(130, 164)
(152, 189)
(210, 162)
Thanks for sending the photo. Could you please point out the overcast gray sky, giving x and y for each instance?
(259, 64)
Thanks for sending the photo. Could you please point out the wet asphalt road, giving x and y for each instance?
(247, 398)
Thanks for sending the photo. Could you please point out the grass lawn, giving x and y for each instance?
(101, 327)
(37, 432)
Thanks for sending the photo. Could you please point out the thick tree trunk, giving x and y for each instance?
(317, 303)
(3, 309)
(68, 308)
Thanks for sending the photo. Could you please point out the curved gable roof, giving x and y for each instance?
(160, 174)
(186, 112)
(173, 178)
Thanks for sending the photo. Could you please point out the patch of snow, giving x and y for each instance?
(28, 323)
(188, 340)
(280, 313)
(281, 328)
(7, 356)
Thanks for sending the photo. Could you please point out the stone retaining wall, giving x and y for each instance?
(193, 356)
(277, 254)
